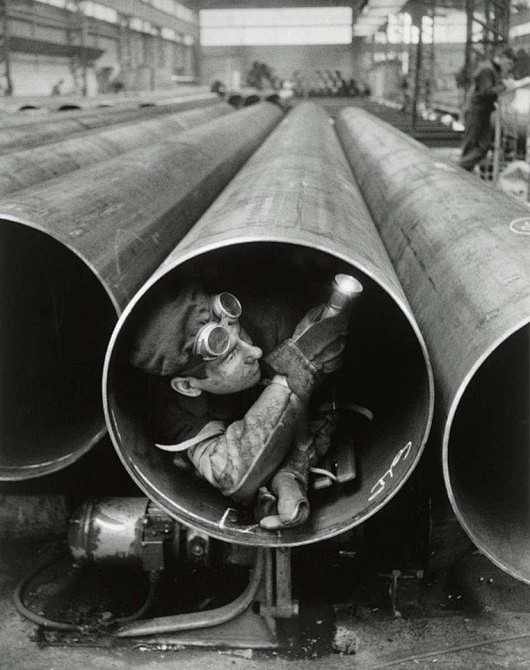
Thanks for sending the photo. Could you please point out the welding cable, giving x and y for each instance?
(154, 579)
(49, 559)
(448, 650)
(18, 596)
(206, 619)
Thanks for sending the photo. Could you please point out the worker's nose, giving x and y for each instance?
(251, 352)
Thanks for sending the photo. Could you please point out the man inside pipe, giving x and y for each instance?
(243, 419)
(489, 80)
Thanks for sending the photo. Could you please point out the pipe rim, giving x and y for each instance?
(21, 473)
(445, 450)
(188, 517)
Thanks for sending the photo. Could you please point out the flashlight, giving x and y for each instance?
(345, 288)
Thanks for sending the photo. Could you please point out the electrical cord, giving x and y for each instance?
(154, 579)
(448, 650)
(49, 559)
(18, 596)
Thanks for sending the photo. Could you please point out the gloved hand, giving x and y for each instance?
(292, 503)
(289, 486)
(314, 350)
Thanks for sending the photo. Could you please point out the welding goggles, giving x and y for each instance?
(213, 339)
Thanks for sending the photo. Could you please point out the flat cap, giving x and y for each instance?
(163, 343)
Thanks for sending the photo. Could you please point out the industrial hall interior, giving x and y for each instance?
(264, 334)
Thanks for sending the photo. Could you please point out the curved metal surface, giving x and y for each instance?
(107, 530)
(462, 252)
(22, 169)
(11, 106)
(35, 132)
(74, 250)
(290, 220)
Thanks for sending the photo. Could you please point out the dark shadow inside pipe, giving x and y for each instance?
(274, 98)
(488, 455)
(252, 99)
(68, 108)
(384, 370)
(56, 321)
(236, 100)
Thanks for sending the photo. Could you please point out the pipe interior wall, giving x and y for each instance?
(74, 251)
(46, 131)
(22, 169)
(462, 252)
(276, 236)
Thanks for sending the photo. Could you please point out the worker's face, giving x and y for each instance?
(237, 370)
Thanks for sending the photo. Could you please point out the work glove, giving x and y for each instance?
(314, 350)
(288, 505)
(322, 431)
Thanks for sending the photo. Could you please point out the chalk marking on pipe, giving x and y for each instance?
(121, 234)
(248, 529)
(402, 454)
(440, 165)
(225, 515)
(520, 226)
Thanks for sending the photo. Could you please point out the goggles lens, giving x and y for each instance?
(213, 339)
(226, 307)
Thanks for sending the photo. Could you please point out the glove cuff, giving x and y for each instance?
(297, 466)
(289, 360)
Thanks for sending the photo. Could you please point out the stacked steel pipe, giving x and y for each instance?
(281, 229)
(74, 250)
(54, 127)
(462, 252)
(22, 169)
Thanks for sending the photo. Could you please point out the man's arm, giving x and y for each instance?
(248, 451)
(244, 455)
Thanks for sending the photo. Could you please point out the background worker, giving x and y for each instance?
(489, 80)
(242, 419)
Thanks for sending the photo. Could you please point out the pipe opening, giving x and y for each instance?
(56, 321)
(236, 100)
(274, 98)
(488, 456)
(68, 108)
(252, 99)
(384, 370)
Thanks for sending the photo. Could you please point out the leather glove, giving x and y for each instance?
(289, 486)
(322, 431)
(314, 351)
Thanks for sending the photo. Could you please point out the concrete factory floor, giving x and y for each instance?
(472, 612)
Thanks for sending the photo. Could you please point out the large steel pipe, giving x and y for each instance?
(52, 104)
(54, 128)
(462, 252)
(74, 250)
(22, 169)
(290, 220)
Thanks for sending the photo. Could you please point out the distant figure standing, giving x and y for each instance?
(405, 94)
(57, 88)
(489, 79)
